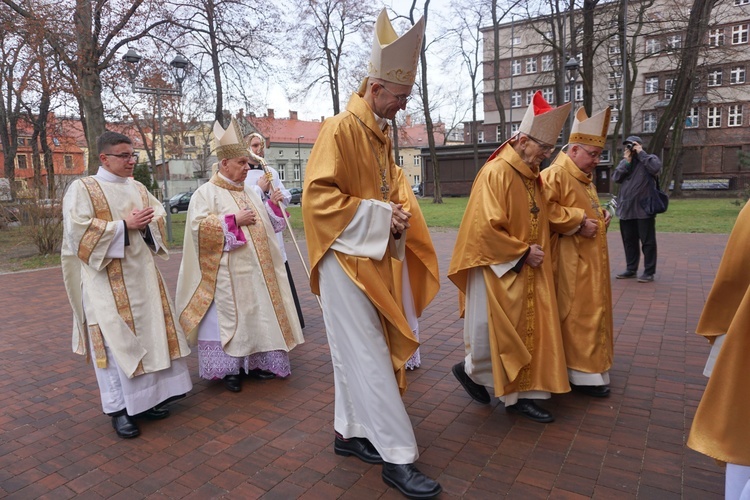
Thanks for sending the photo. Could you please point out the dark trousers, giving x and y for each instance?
(634, 231)
(294, 295)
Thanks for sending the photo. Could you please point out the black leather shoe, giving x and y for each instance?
(361, 448)
(529, 409)
(626, 275)
(233, 383)
(477, 392)
(124, 425)
(155, 413)
(409, 481)
(261, 374)
(597, 391)
(645, 278)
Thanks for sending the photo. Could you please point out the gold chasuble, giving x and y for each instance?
(248, 285)
(120, 301)
(720, 427)
(421, 260)
(352, 161)
(584, 295)
(506, 213)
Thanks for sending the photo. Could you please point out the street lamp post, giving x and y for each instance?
(299, 157)
(571, 68)
(179, 70)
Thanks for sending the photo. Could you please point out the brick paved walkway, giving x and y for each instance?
(274, 439)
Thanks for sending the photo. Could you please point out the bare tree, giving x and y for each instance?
(334, 38)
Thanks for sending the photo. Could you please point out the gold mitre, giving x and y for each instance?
(542, 121)
(229, 142)
(590, 131)
(393, 58)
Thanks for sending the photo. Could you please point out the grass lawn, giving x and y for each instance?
(714, 215)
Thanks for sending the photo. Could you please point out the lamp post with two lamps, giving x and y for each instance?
(179, 70)
(571, 69)
(299, 158)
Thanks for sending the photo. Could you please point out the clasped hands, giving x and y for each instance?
(399, 219)
(139, 218)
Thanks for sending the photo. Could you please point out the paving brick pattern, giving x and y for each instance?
(274, 439)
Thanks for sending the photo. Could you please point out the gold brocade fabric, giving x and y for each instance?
(422, 264)
(720, 428)
(584, 294)
(342, 171)
(497, 227)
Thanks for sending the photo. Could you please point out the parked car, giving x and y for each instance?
(296, 196)
(179, 202)
(417, 189)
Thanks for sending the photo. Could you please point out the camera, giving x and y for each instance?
(629, 145)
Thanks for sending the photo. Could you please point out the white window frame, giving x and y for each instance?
(734, 115)
(498, 133)
(614, 116)
(515, 99)
(549, 94)
(515, 67)
(649, 121)
(282, 172)
(612, 96)
(651, 85)
(297, 171)
(531, 65)
(714, 117)
(715, 77)
(653, 46)
(417, 160)
(674, 42)
(741, 2)
(716, 37)
(740, 33)
(480, 136)
(737, 75)
(400, 162)
(579, 92)
(692, 119)
(548, 62)
(529, 96)
(668, 88)
(516, 40)
(514, 128)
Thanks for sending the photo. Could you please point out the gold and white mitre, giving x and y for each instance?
(542, 121)
(590, 131)
(229, 142)
(393, 58)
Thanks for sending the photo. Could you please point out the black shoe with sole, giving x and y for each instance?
(361, 448)
(529, 409)
(626, 275)
(645, 278)
(155, 413)
(477, 392)
(124, 425)
(597, 391)
(407, 479)
(261, 374)
(233, 383)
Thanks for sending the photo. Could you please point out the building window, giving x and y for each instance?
(529, 96)
(741, 2)
(604, 158)
(549, 94)
(400, 160)
(652, 46)
(282, 172)
(515, 99)
(515, 67)
(735, 116)
(417, 179)
(281, 153)
(614, 48)
(652, 85)
(480, 137)
(417, 160)
(615, 62)
(55, 141)
(737, 75)
(548, 63)
(579, 92)
(68, 162)
(531, 65)
(692, 118)
(22, 162)
(716, 37)
(516, 40)
(714, 117)
(649, 121)
(297, 171)
(715, 77)
(566, 93)
(613, 116)
(189, 140)
(612, 96)
(498, 134)
(668, 88)
(674, 42)
(739, 34)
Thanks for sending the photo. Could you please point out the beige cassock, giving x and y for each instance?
(248, 285)
(584, 295)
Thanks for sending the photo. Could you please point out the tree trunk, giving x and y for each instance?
(587, 72)
(36, 164)
(496, 72)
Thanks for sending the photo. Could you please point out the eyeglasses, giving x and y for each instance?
(402, 99)
(593, 154)
(124, 156)
(543, 145)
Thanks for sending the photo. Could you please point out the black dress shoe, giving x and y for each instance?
(645, 278)
(361, 448)
(155, 413)
(233, 383)
(409, 481)
(477, 392)
(261, 374)
(597, 391)
(529, 409)
(124, 425)
(626, 275)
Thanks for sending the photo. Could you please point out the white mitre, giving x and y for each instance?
(393, 58)
(229, 142)
(542, 121)
(590, 131)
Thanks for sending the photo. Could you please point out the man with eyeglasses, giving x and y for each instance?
(581, 255)
(354, 224)
(501, 265)
(123, 317)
